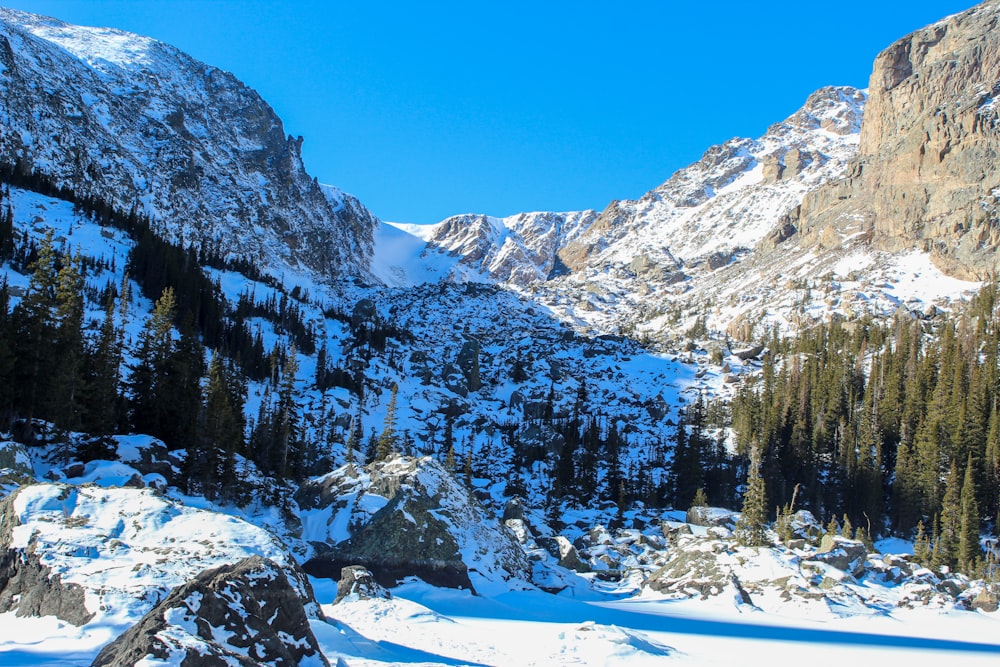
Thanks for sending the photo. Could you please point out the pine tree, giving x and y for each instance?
(949, 522)
(64, 402)
(387, 441)
(751, 529)
(34, 323)
(289, 448)
(153, 354)
(968, 539)
(922, 545)
(354, 437)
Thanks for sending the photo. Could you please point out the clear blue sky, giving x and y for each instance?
(428, 109)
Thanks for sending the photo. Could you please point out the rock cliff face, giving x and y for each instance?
(141, 124)
(926, 171)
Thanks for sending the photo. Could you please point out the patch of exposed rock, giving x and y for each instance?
(926, 173)
(250, 613)
(406, 517)
(27, 586)
(15, 466)
(358, 583)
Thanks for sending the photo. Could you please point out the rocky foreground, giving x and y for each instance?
(178, 581)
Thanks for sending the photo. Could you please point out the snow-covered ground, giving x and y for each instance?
(428, 626)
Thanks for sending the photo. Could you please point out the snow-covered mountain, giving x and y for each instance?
(507, 364)
(139, 124)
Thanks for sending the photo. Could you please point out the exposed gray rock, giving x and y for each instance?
(250, 613)
(844, 554)
(691, 572)
(426, 524)
(27, 586)
(564, 552)
(987, 599)
(15, 465)
(358, 583)
(712, 516)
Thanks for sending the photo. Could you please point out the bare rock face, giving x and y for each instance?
(926, 173)
(251, 613)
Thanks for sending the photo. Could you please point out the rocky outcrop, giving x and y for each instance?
(29, 587)
(251, 613)
(15, 465)
(520, 249)
(926, 171)
(358, 583)
(139, 124)
(83, 553)
(406, 517)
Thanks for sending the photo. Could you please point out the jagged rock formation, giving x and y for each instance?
(406, 517)
(926, 167)
(251, 613)
(519, 250)
(141, 124)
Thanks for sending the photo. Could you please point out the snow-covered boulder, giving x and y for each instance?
(712, 516)
(15, 465)
(358, 583)
(407, 517)
(90, 554)
(844, 554)
(254, 612)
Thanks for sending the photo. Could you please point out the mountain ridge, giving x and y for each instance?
(138, 123)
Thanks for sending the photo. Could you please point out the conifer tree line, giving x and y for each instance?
(894, 427)
(184, 380)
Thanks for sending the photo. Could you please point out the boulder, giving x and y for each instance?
(987, 599)
(54, 537)
(564, 552)
(250, 613)
(691, 572)
(844, 554)
(712, 516)
(358, 583)
(15, 465)
(407, 517)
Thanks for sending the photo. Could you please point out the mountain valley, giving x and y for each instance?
(219, 372)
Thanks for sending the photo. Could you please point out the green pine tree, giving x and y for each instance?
(968, 538)
(751, 528)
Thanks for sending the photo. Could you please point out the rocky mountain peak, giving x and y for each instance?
(925, 171)
(140, 124)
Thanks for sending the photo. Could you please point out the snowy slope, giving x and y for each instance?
(142, 125)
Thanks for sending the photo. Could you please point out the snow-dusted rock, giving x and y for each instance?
(254, 612)
(407, 517)
(15, 465)
(712, 516)
(844, 554)
(358, 583)
(113, 552)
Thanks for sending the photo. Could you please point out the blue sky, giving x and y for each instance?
(425, 110)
